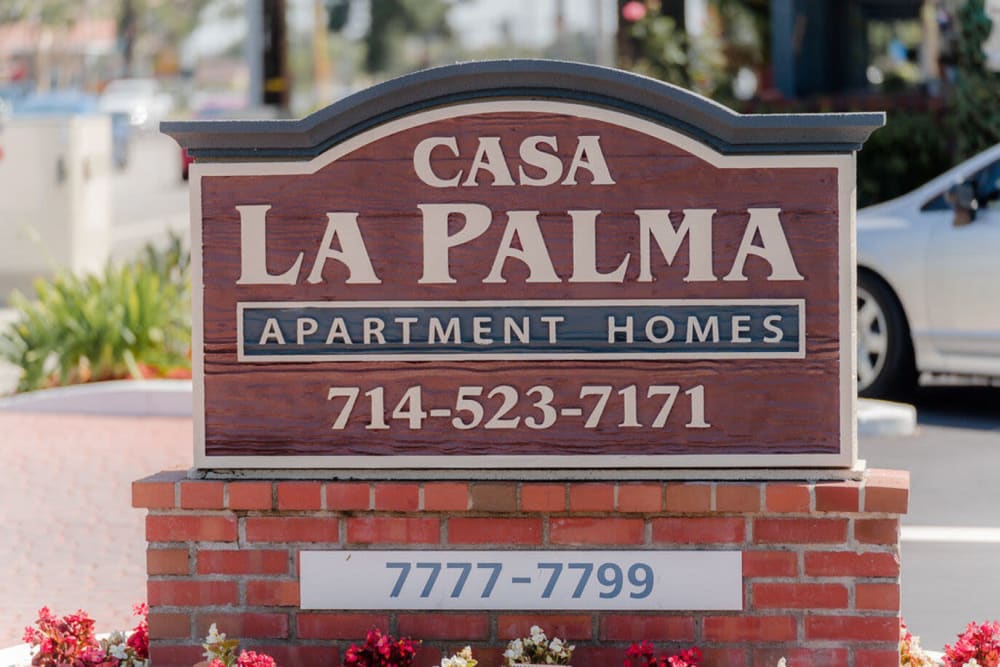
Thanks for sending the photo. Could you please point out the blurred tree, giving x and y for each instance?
(390, 23)
(977, 89)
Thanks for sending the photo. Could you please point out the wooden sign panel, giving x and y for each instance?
(523, 283)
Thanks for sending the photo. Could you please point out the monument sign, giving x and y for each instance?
(511, 276)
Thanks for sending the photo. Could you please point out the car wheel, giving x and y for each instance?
(885, 352)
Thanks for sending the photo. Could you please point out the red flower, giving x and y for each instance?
(633, 11)
(381, 651)
(645, 653)
(981, 642)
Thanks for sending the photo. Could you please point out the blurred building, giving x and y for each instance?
(77, 55)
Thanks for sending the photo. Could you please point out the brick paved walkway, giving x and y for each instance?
(69, 537)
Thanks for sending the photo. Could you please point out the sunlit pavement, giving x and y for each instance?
(70, 538)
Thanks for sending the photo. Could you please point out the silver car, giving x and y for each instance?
(929, 280)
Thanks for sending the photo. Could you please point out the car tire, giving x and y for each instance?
(886, 366)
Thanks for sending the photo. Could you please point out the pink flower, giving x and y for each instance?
(252, 659)
(633, 11)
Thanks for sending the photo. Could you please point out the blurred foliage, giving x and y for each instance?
(128, 321)
(909, 151)
(733, 38)
(977, 89)
(391, 25)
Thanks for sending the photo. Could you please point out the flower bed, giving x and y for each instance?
(70, 641)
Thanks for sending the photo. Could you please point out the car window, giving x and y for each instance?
(987, 184)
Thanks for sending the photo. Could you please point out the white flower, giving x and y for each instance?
(781, 663)
(556, 645)
(971, 663)
(515, 650)
(214, 636)
(118, 651)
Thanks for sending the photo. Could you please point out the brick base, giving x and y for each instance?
(820, 563)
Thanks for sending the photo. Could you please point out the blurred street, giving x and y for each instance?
(148, 197)
(951, 535)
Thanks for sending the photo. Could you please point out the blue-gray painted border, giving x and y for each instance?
(702, 119)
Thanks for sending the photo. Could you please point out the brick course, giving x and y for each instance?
(820, 563)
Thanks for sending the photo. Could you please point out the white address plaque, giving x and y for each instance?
(528, 580)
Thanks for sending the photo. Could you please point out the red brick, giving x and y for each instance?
(876, 657)
(737, 497)
(626, 627)
(425, 625)
(883, 597)
(580, 530)
(493, 497)
(299, 655)
(300, 495)
(699, 530)
(446, 496)
(564, 626)
(430, 656)
(202, 495)
(250, 495)
(190, 528)
(348, 496)
(272, 593)
(393, 530)
(398, 497)
(803, 657)
(748, 628)
(876, 531)
(684, 497)
(245, 626)
(799, 596)
(640, 498)
(186, 593)
(243, 561)
(169, 626)
(166, 655)
(591, 497)
(590, 656)
(292, 529)
(786, 497)
(799, 531)
(851, 564)
(837, 497)
(168, 561)
(489, 530)
(887, 491)
(339, 625)
(153, 495)
(852, 628)
(726, 656)
(543, 497)
(770, 564)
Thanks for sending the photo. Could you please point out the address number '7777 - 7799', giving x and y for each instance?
(694, 580)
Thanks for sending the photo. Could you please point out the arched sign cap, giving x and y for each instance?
(724, 130)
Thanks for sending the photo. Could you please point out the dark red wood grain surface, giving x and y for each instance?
(787, 406)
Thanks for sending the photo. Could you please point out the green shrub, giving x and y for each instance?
(910, 150)
(130, 320)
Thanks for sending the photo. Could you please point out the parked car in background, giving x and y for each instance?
(72, 102)
(142, 100)
(929, 281)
